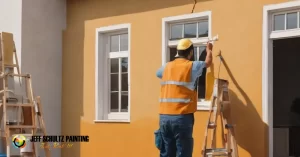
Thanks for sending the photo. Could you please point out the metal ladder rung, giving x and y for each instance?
(217, 152)
(17, 105)
(213, 109)
(229, 126)
(212, 125)
(21, 126)
(225, 102)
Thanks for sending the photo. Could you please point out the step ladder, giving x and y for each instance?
(28, 109)
(220, 103)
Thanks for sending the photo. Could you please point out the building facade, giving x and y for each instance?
(102, 57)
(112, 50)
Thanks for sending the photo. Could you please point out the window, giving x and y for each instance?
(112, 73)
(196, 27)
(285, 24)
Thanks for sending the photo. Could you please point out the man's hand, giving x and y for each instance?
(209, 47)
(208, 59)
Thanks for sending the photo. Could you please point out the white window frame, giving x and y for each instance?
(102, 54)
(187, 18)
(268, 36)
(275, 34)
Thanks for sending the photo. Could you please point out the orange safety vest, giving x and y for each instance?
(175, 97)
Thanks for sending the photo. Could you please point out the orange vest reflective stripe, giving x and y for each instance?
(175, 97)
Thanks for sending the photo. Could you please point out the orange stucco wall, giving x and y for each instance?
(239, 25)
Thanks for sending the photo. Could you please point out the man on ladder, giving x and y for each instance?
(178, 100)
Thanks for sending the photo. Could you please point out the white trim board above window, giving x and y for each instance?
(196, 27)
(112, 74)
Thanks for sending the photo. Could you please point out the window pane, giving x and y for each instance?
(291, 21)
(125, 82)
(201, 85)
(114, 102)
(124, 42)
(114, 82)
(173, 52)
(114, 65)
(114, 43)
(124, 63)
(124, 100)
(176, 32)
(203, 29)
(279, 22)
(202, 53)
(190, 30)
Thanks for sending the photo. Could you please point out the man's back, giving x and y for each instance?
(175, 97)
(196, 71)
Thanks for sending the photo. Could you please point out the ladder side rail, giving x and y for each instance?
(30, 97)
(43, 126)
(207, 125)
(214, 122)
(17, 63)
(217, 93)
(223, 121)
(226, 133)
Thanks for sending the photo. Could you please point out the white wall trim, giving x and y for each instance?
(285, 34)
(267, 61)
(112, 121)
(165, 39)
(115, 117)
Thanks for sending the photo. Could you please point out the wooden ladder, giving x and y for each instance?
(28, 110)
(220, 103)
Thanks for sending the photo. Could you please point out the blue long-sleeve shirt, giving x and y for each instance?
(197, 70)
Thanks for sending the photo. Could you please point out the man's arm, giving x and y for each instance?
(199, 65)
(208, 59)
(197, 69)
(160, 71)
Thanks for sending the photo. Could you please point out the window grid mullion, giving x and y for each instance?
(120, 85)
(182, 35)
(198, 55)
(119, 43)
(197, 51)
(298, 20)
(170, 32)
(285, 21)
(109, 86)
(197, 29)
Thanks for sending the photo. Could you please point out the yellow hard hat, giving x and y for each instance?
(184, 44)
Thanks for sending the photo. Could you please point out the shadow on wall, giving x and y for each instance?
(250, 130)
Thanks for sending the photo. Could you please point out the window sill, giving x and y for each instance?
(203, 106)
(116, 117)
(112, 121)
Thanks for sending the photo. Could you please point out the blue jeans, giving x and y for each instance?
(177, 135)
